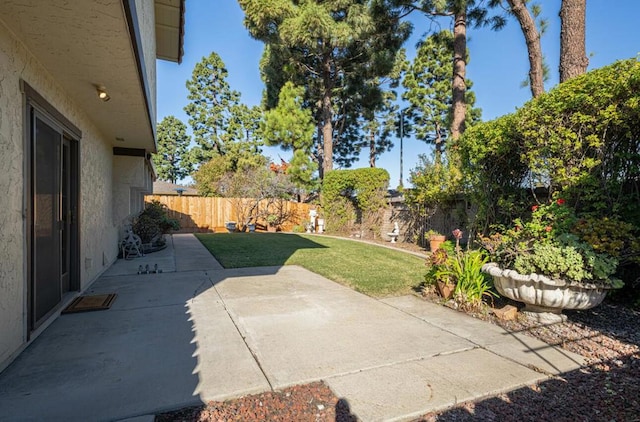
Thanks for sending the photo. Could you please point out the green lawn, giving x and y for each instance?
(370, 269)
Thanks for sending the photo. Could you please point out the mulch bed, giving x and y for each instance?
(310, 402)
(607, 389)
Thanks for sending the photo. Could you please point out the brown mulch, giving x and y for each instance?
(607, 389)
(311, 402)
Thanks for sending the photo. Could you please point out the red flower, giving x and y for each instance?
(457, 233)
(534, 208)
(547, 229)
(560, 201)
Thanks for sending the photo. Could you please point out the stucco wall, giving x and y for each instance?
(132, 180)
(146, 22)
(12, 285)
(98, 233)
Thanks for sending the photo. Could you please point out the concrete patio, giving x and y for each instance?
(197, 332)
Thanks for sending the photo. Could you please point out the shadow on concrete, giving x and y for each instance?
(343, 411)
(255, 249)
(604, 392)
(107, 365)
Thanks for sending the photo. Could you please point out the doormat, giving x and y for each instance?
(90, 303)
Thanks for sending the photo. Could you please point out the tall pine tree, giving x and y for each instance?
(319, 44)
(221, 125)
(172, 159)
(462, 13)
(291, 126)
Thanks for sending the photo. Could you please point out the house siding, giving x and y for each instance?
(145, 10)
(99, 234)
(132, 180)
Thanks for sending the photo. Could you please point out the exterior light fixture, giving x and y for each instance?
(102, 93)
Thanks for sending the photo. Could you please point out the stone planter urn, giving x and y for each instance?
(545, 298)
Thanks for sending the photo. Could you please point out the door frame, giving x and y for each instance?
(34, 103)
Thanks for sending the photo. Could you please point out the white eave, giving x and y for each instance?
(86, 43)
(170, 29)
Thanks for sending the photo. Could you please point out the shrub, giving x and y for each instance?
(579, 140)
(464, 270)
(545, 245)
(153, 222)
(354, 196)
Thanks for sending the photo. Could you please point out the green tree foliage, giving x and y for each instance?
(579, 140)
(291, 126)
(172, 159)
(380, 112)
(321, 45)
(463, 13)
(428, 90)
(221, 124)
(352, 198)
(434, 182)
(208, 176)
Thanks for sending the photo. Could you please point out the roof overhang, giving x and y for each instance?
(170, 30)
(88, 45)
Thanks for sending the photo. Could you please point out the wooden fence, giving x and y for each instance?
(208, 214)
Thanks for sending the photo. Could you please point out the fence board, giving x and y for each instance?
(206, 214)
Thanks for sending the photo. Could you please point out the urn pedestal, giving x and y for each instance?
(545, 298)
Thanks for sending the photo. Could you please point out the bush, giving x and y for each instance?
(153, 222)
(354, 196)
(579, 140)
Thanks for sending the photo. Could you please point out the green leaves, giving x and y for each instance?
(428, 90)
(221, 124)
(335, 49)
(580, 139)
(172, 161)
(346, 193)
(291, 126)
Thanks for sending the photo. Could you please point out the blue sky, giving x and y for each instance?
(497, 66)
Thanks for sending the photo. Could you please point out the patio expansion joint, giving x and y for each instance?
(401, 362)
(138, 308)
(244, 339)
(484, 347)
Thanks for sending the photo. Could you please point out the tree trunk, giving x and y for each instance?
(327, 116)
(372, 150)
(320, 153)
(438, 144)
(459, 73)
(573, 57)
(532, 38)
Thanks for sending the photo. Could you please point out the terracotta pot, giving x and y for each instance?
(435, 242)
(445, 289)
(272, 229)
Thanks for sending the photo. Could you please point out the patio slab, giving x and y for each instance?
(201, 333)
(164, 259)
(303, 327)
(524, 349)
(153, 350)
(408, 390)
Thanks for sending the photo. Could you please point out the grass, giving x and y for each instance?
(370, 269)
